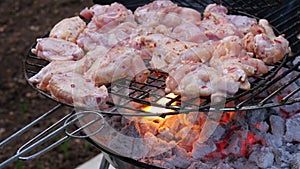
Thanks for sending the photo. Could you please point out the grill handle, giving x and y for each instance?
(50, 132)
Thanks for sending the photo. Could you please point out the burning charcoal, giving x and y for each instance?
(131, 130)
(193, 118)
(256, 116)
(180, 162)
(263, 158)
(114, 121)
(236, 144)
(187, 136)
(219, 132)
(273, 140)
(172, 122)
(157, 146)
(240, 163)
(277, 125)
(223, 166)
(295, 161)
(293, 128)
(129, 146)
(149, 125)
(292, 148)
(180, 158)
(199, 165)
(281, 157)
(165, 134)
(202, 149)
(124, 121)
(263, 127)
(162, 163)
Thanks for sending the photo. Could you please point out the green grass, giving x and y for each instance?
(24, 107)
(19, 164)
(65, 148)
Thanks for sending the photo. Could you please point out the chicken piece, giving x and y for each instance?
(217, 24)
(166, 13)
(215, 8)
(166, 52)
(119, 62)
(189, 15)
(152, 13)
(243, 23)
(118, 35)
(262, 41)
(268, 47)
(68, 29)
(176, 75)
(73, 88)
(103, 15)
(57, 49)
(189, 32)
(270, 50)
(200, 80)
(231, 51)
(233, 61)
(191, 80)
(41, 79)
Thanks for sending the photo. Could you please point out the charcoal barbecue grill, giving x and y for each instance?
(282, 15)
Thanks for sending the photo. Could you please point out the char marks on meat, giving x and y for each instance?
(211, 55)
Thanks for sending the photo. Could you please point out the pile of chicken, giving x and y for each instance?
(205, 55)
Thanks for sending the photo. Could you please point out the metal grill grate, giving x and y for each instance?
(147, 94)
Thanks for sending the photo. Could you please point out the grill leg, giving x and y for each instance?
(104, 163)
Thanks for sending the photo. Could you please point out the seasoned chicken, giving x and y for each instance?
(211, 55)
(262, 41)
(41, 79)
(194, 80)
(57, 49)
(166, 13)
(119, 62)
(74, 89)
(117, 35)
(166, 52)
(68, 29)
(103, 15)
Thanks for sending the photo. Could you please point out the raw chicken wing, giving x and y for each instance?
(68, 29)
(74, 89)
(57, 49)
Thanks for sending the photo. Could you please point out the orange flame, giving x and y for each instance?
(163, 101)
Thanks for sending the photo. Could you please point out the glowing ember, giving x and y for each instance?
(163, 101)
